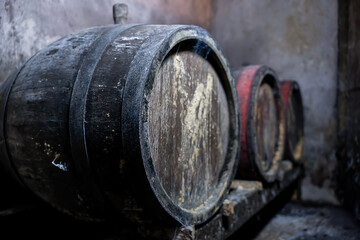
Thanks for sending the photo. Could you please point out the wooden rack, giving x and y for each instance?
(245, 200)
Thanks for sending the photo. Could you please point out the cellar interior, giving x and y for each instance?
(314, 43)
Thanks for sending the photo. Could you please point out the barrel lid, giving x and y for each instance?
(174, 133)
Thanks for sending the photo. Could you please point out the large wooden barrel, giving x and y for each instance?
(262, 123)
(137, 119)
(294, 120)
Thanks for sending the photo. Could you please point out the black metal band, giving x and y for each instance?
(77, 109)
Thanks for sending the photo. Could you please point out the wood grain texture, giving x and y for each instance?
(189, 128)
(266, 125)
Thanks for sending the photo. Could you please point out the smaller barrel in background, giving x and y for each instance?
(262, 123)
(294, 120)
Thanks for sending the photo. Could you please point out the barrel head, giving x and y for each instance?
(266, 126)
(189, 128)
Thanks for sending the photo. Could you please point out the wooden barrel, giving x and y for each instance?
(294, 120)
(262, 123)
(137, 119)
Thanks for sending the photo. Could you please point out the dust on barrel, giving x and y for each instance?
(140, 120)
(189, 128)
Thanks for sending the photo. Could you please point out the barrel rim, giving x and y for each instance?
(202, 213)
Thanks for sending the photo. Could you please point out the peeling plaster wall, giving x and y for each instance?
(299, 40)
(27, 26)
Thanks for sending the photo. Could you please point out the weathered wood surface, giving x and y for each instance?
(294, 120)
(189, 129)
(266, 126)
(262, 123)
(85, 124)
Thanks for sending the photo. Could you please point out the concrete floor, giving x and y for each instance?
(299, 221)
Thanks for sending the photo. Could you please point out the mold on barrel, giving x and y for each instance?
(294, 120)
(262, 123)
(134, 119)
